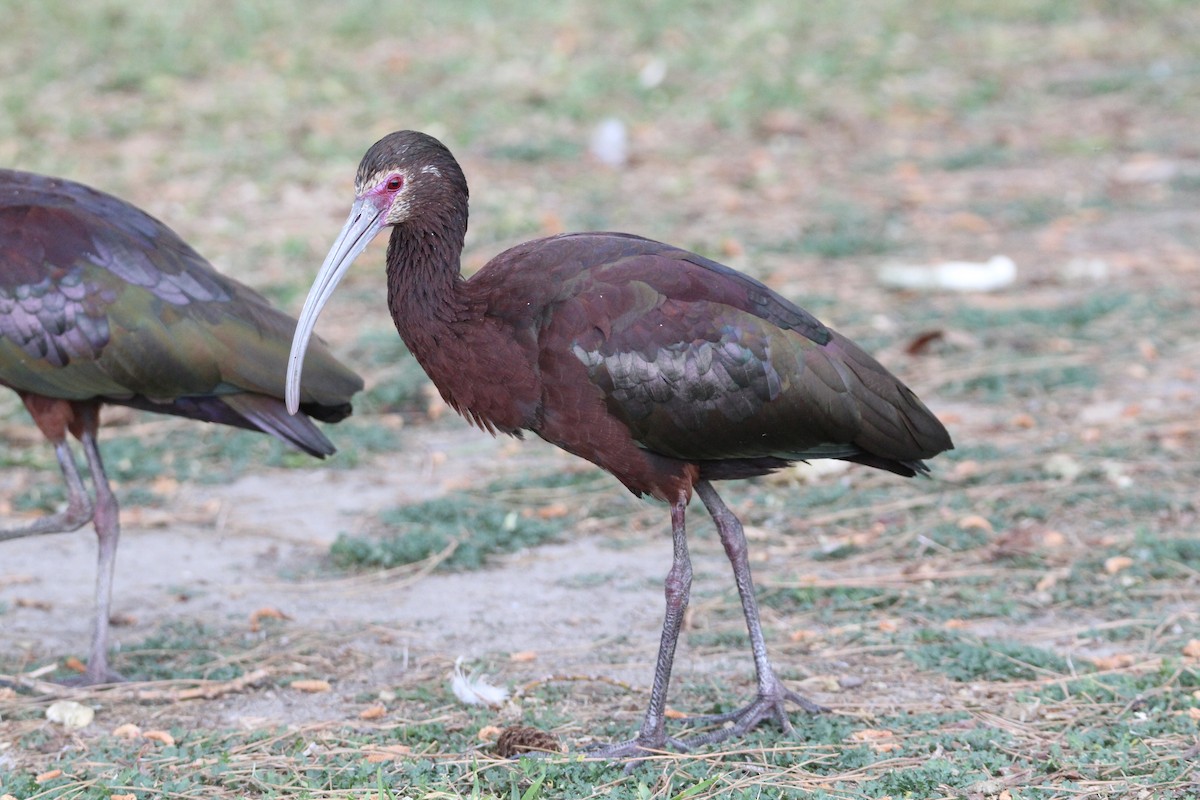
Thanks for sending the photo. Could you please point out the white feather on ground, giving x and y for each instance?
(473, 689)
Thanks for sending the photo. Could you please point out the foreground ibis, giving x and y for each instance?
(100, 304)
(667, 369)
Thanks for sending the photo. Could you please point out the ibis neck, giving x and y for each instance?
(425, 285)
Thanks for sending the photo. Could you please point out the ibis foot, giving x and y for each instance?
(637, 750)
(769, 704)
(95, 677)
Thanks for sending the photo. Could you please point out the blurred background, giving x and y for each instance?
(826, 149)
(1000, 198)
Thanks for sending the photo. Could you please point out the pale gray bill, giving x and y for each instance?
(361, 227)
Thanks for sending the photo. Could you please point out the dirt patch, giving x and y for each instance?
(587, 605)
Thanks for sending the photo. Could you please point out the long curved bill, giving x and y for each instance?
(364, 222)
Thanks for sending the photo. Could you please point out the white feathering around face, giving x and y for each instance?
(473, 689)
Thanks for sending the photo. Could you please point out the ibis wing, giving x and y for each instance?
(98, 299)
(701, 362)
(702, 380)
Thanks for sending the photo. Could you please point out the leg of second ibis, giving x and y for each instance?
(773, 696)
(79, 505)
(108, 533)
(652, 735)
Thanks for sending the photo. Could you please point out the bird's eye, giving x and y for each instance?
(394, 183)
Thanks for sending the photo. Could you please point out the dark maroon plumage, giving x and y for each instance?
(102, 304)
(665, 368)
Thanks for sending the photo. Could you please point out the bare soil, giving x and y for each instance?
(222, 553)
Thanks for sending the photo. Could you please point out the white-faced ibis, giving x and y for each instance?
(101, 303)
(665, 368)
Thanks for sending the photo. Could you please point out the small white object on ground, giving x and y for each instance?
(997, 272)
(473, 689)
(610, 143)
(70, 715)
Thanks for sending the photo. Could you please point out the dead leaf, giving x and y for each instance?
(1052, 540)
(374, 712)
(972, 521)
(127, 731)
(671, 713)
(524, 656)
(871, 735)
(74, 664)
(1051, 579)
(1118, 661)
(1024, 421)
(265, 613)
(553, 511)
(1117, 563)
(162, 737)
(389, 752)
(920, 343)
(1192, 649)
(48, 776)
(880, 741)
(888, 625)
(26, 602)
(489, 733)
(310, 685)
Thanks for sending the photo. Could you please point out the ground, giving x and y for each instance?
(1023, 624)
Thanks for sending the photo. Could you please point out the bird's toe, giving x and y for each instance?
(636, 750)
(95, 677)
(772, 704)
